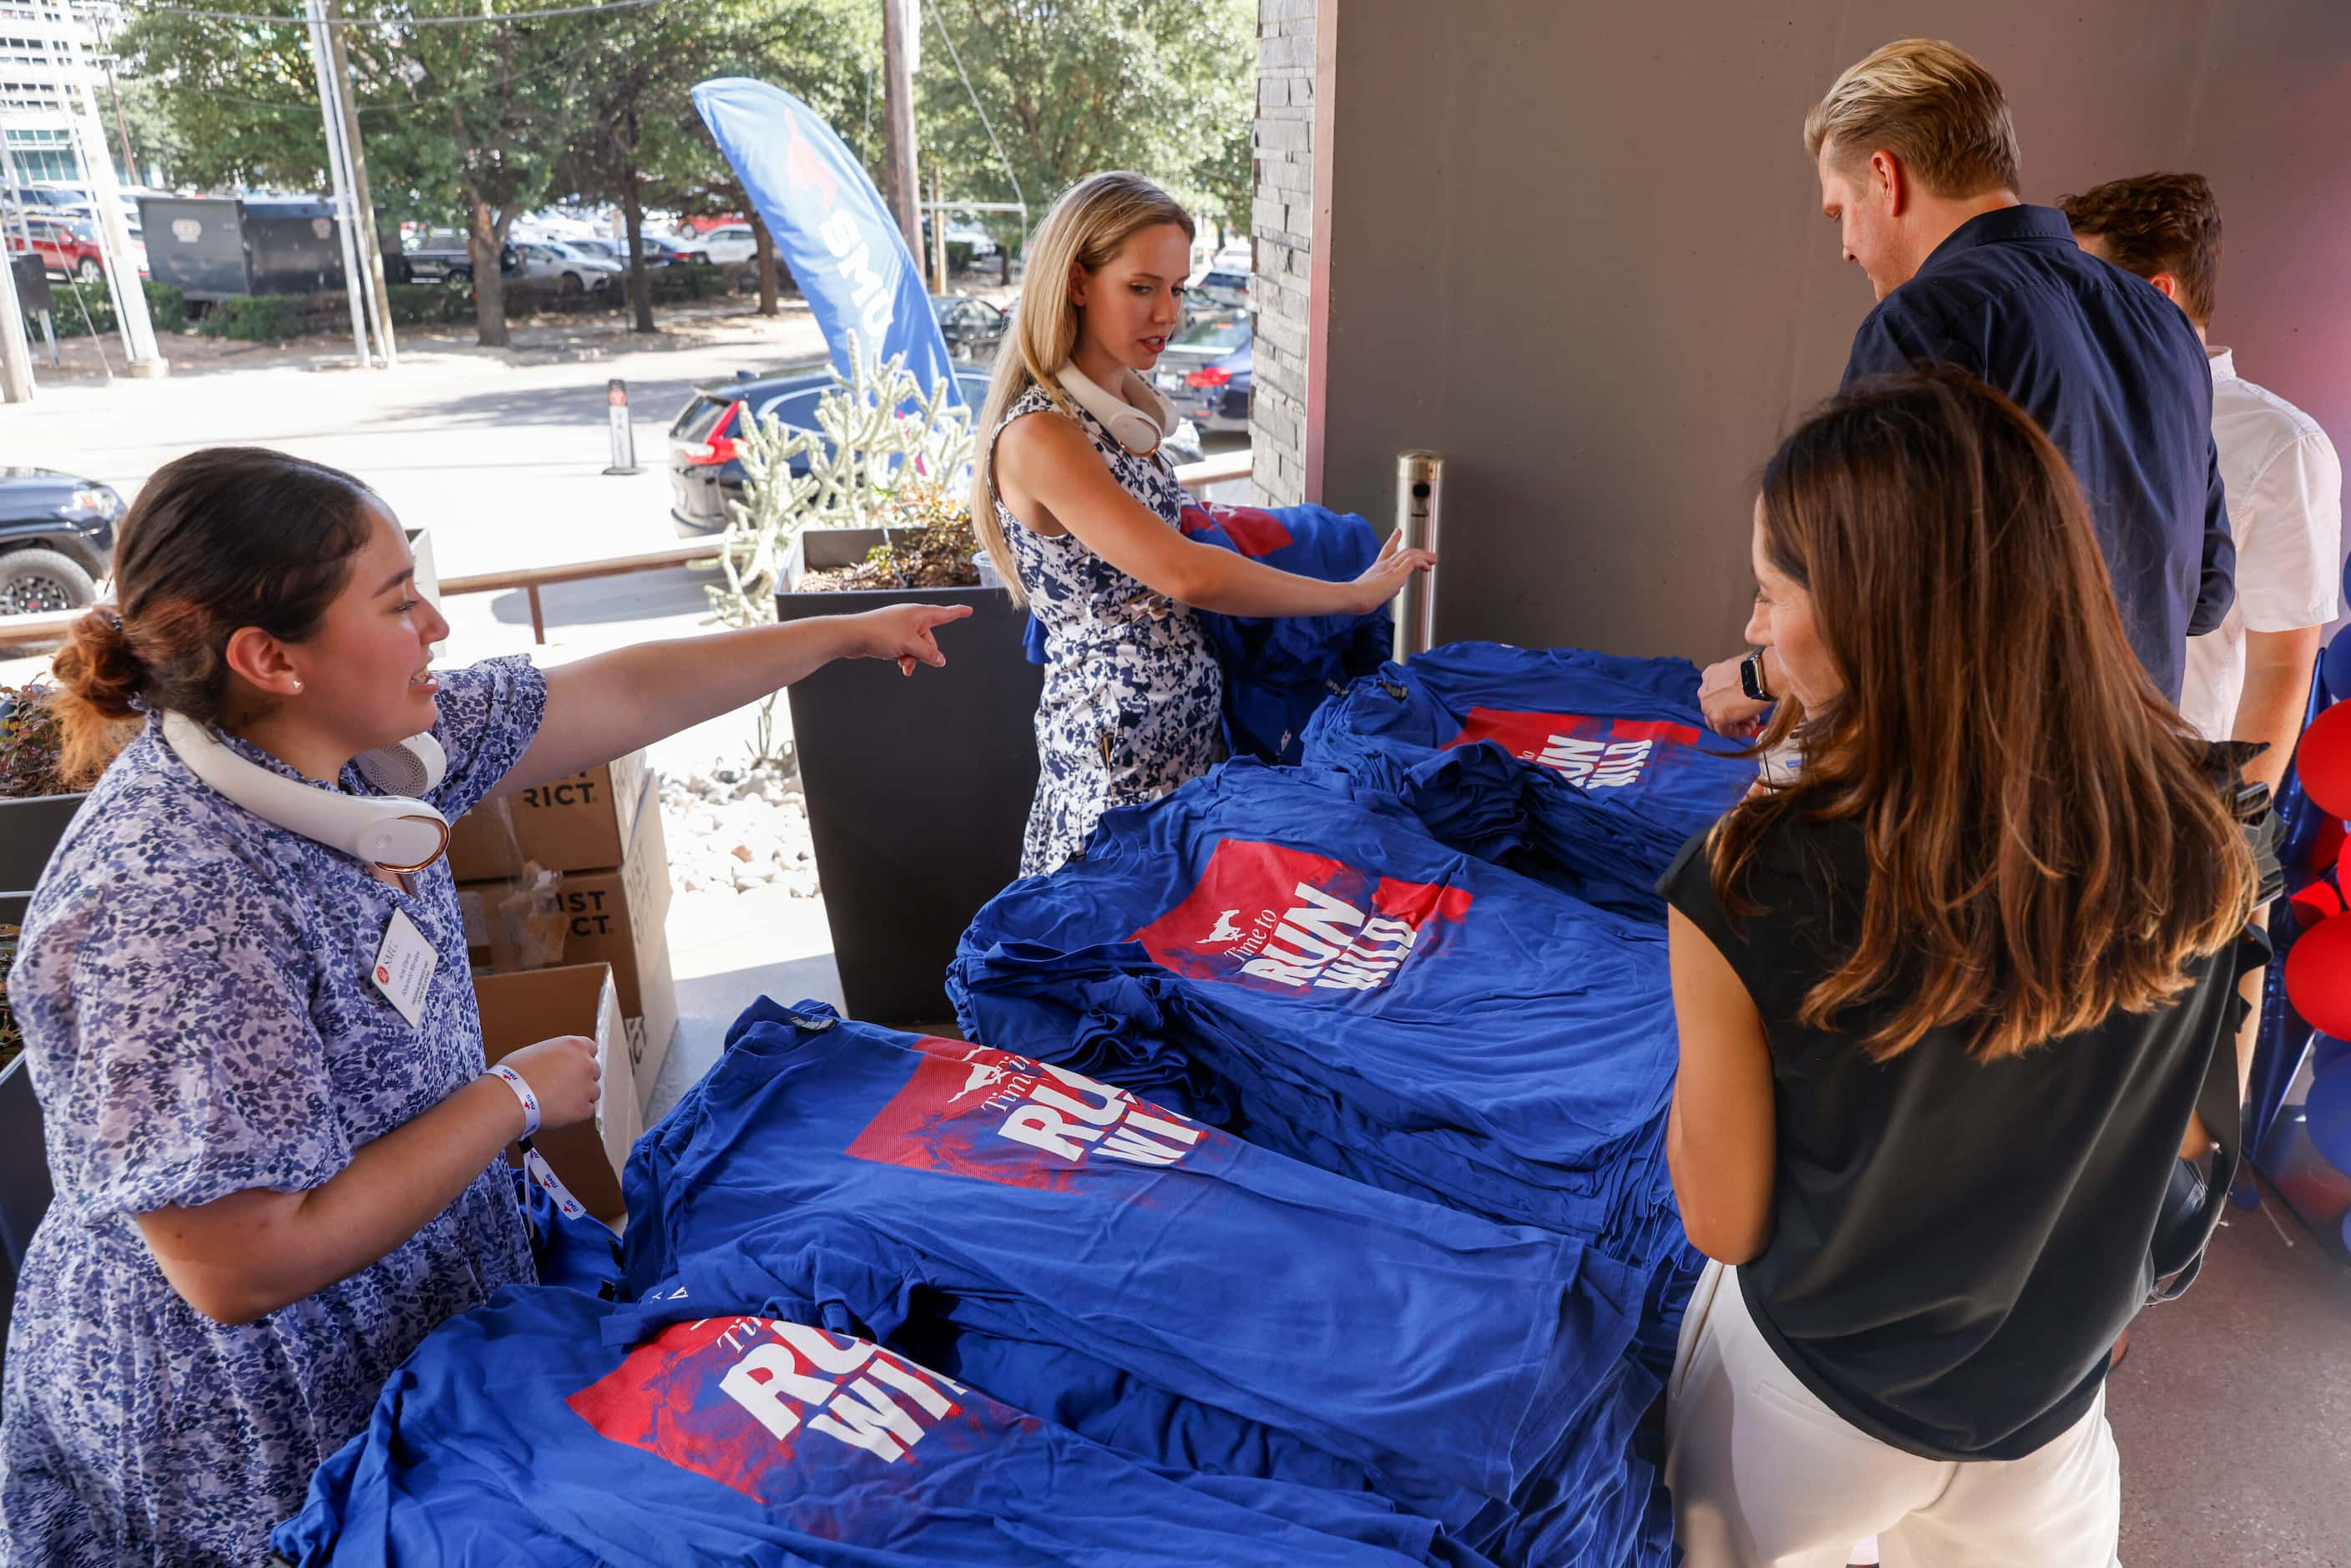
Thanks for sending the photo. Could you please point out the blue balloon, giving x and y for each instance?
(2328, 1111)
(2334, 666)
(2326, 1051)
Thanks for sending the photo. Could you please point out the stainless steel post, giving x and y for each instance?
(1419, 507)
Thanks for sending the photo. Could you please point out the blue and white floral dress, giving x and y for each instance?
(193, 988)
(1133, 701)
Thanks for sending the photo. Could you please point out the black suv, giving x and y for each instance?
(57, 540)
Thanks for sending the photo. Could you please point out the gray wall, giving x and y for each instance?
(1578, 248)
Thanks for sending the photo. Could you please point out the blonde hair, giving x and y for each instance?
(1085, 229)
(1930, 105)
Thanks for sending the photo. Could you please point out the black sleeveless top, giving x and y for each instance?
(1956, 1244)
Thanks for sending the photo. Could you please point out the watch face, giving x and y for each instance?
(1751, 677)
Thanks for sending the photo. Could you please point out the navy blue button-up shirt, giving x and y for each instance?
(2114, 374)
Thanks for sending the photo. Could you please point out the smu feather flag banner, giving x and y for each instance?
(827, 220)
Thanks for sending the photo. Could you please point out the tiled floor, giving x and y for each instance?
(2234, 1410)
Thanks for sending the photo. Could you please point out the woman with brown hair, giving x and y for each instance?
(1946, 1001)
(277, 1158)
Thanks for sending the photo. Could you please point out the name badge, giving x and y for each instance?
(403, 968)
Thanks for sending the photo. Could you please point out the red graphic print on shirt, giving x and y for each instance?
(1283, 920)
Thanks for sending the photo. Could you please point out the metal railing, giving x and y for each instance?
(40, 631)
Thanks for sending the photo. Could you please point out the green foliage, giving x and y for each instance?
(877, 432)
(167, 306)
(255, 318)
(427, 304)
(69, 302)
(1080, 86)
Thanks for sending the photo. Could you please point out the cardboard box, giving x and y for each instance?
(618, 916)
(579, 823)
(532, 1005)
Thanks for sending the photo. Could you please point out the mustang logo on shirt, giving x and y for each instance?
(1320, 925)
(1590, 753)
(738, 1400)
(1033, 1123)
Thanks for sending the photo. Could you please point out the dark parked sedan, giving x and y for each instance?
(705, 466)
(57, 540)
(973, 328)
(1207, 372)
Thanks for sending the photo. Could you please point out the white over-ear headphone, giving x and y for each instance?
(1138, 430)
(392, 830)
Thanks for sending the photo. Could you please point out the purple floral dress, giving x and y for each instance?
(193, 985)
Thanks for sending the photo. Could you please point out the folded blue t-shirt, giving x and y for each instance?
(523, 1432)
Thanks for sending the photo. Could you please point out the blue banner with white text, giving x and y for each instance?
(829, 225)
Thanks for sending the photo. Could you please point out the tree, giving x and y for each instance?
(1080, 86)
(647, 145)
(462, 122)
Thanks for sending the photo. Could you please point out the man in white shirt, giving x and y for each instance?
(2250, 678)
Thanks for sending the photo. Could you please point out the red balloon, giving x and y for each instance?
(2326, 847)
(2316, 903)
(2318, 975)
(2323, 760)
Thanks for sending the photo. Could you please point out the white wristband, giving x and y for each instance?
(514, 1080)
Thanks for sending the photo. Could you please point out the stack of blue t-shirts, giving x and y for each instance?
(541, 1429)
(1622, 734)
(1278, 669)
(862, 1178)
(1298, 958)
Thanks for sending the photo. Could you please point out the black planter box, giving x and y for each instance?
(29, 830)
(918, 790)
(31, 827)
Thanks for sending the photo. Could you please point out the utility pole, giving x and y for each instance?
(938, 230)
(901, 40)
(337, 173)
(370, 242)
(113, 231)
(121, 125)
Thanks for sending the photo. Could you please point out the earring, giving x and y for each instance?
(297, 687)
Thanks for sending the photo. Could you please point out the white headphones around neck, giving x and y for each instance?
(394, 830)
(1137, 429)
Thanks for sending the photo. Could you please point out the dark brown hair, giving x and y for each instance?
(1928, 103)
(223, 538)
(2157, 222)
(2044, 844)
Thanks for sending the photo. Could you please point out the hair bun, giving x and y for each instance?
(99, 666)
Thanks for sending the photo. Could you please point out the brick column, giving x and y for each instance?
(1281, 222)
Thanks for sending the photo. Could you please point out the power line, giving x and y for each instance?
(140, 6)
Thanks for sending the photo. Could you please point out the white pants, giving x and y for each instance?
(1765, 1475)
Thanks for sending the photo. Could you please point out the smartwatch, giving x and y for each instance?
(1751, 678)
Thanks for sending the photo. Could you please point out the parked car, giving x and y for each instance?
(723, 246)
(57, 540)
(1220, 288)
(67, 248)
(657, 252)
(571, 270)
(1205, 371)
(39, 198)
(441, 257)
(706, 467)
(973, 328)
